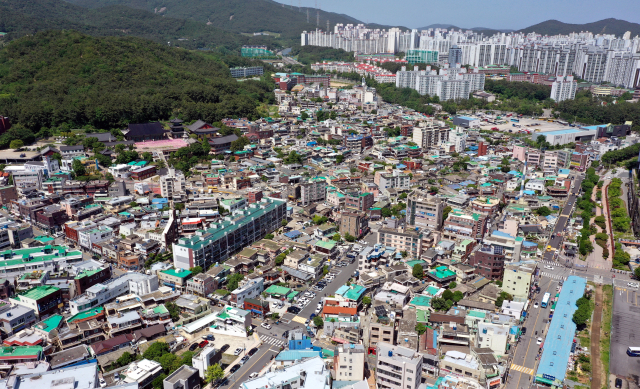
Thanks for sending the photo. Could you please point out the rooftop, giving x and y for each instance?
(37, 293)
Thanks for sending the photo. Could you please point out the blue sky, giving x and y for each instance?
(508, 14)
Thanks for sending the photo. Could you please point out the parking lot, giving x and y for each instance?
(534, 125)
(626, 316)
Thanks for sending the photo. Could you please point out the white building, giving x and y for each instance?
(248, 289)
(25, 179)
(350, 362)
(205, 359)
(309, 374)
(99, 294)
(120, 170)
(142, 372)
(494, 336)
(459, 139)
(173, 183)
(564, 88)
(87, 237)
(313, 190)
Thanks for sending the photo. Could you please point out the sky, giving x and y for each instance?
(499, 14)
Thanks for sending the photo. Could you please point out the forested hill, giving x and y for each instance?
(243, 16)
(58, 77)
(24, 17)
(605, 26)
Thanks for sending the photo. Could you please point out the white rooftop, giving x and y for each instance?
(317, 376)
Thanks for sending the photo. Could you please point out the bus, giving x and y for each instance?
(545, 300)
(633, 351)
(515, 120)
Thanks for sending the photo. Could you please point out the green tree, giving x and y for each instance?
(336, 237)
(457, 296)
(439, 304)
(447, 295)
(417, 271)
(366, 300)
(158, 383)
(318, 322)
(421, 328)
(280, 259)
(452, 285)
(178, 206)
(275, 316)
(214, 373)
(147, 156)
(637, 272)
(325, 270)
(304, 115)
(125, 359)
(155, 351)
(238, 144)
(503, 296)
(339, 159)
(78, 168)
(542, 211)
(167, 361)
(269, 236)
(385, 212)
(445, 212)
(349, 238)
(196, 270)
(16, 144)
(284, 222)
(232, 281)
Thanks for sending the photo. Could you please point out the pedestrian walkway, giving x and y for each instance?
(554, 276)
(273, 341)
(299, 319)
(522, 369)
(552, 263)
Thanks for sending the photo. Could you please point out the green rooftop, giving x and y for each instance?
(442, 272)
(422, 301)
(88, 273)
(20, 351)
(477, 314)
(422, 315)
(279, 290)
(50, 323)
(86, 314)
(36, 293)
(327, 245)
(182, 273)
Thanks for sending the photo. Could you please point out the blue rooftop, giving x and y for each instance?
(502, 234)
(557, 347)
(466, 118)
(296, 355)
(292, 234)
(559, 132)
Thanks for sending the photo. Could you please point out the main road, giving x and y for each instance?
(561, 223)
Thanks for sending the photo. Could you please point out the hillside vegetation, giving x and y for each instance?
(65, 78)
(246, 16)
(25, 17)
(607, 26)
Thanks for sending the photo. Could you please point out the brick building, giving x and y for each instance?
(488, 262)
(88, 278)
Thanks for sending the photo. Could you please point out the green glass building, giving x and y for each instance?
(421, 56)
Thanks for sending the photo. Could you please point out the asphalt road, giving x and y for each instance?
(527, 347)
(254, 364)
(564, 217)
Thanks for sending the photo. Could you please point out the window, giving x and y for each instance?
(409, 379)
(458, 371)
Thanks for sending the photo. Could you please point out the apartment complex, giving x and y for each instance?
(464, 225)
(564, 88)
(430, 136)
(230, 235)
(517, 281)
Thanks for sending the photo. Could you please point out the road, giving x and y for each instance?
(561, 223)
(254, 364)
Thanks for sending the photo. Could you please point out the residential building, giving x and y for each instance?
(354, 223)
(424, 210)
(517, 281)
(308, 374)
(397, 367)
(563, 88)
(174, 278)
(208, 356)
(202, 285)
(15, 318)
(315, 189)
(142, 372)
(250, 71)
(230, 235)
(461, 225)
(358, 201)
(251, 288)
(402, 239)
(488, 262)
(173, 184)
(44, 300)
(430, 136)
(348, 362)
(395, 180)
(185, 377)
(89, 277)
(8, 193)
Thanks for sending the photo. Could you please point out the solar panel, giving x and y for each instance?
(380, 311)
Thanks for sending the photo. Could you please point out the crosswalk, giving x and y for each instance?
(299, 319)
(273, 341)
(554, 276)
(522, 369)
(551, 263)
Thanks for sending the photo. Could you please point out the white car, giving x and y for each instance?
(548, 267)
(238, 351)
(633, 285)
(265, 325)
(103, 383)
(253, 375)
(539, 341)
(535, 305)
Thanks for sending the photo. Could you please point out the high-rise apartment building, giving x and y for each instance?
(427, 137)
(398, 367)
(455, 56)
(564, 88)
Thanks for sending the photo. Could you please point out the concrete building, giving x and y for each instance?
(308, 374)
(44, 300)
(359, 202)
(348, 362)
(142, 372)
(430, 136)
(185, 377)
(397, 367)
(394, 180)
(102, 293)
(174, 278)
(313, 190)
(354, 223)
(424, 210)
(230, 235)
(251, 288)
(402, 239)
(564, 88)
(172, 184)
(488, 262)
(250, 71)
(461, 225)
(517, 281)
(207, 357)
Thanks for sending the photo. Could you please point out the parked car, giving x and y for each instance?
(193, 347)
(294, 310)
(523, 331)
(244, 359)
(539, 341)
(234, 368)
(535, 305)
(618, 383)
(238, 351)
(265, 325)
(254, 374)
(253, 351)
(203, 343)
(224, 348)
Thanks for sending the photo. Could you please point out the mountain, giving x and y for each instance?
(25, 17)
(481, 30)
(607, 26)
(65, 78)
(242, 16)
